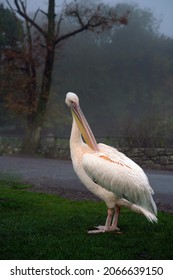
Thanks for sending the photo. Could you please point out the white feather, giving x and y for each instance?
(117, 173)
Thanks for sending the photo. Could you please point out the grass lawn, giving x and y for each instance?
(41, 226)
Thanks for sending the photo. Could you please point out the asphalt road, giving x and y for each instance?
(56, 174)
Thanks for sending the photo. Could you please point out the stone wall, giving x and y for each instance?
(151, 158)
(10, 145)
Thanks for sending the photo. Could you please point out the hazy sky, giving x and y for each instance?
(162, 9)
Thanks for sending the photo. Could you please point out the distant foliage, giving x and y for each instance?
(11, 30)
(124, 77)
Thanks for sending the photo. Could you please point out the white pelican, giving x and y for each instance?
(108, 173)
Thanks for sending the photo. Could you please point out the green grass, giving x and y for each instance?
(41, 226)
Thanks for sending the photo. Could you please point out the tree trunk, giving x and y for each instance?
(32, 133)
(36, 119)
(31, 139)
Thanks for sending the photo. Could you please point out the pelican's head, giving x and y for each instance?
(71, 98)
(72, 101)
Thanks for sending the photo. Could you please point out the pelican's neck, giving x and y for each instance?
(76, 137)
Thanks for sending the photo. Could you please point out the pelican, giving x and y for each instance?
(108, 173)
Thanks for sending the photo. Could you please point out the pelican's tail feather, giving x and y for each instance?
(150, 216)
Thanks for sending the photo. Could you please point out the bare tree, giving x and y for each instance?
(84, 18)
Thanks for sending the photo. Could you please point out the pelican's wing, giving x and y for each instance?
(121, 176)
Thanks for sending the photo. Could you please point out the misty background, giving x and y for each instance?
(123, 76)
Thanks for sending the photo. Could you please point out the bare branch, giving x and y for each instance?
(91, 19)
(44, 13)
(35, 15)
(22, 12)
(70, 34)
(11, 8)
(77, 14)
(59, 24)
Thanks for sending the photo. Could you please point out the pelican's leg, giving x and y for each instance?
(109, 219)
(107, 226)
(115, 218)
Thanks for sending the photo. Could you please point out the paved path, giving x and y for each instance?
(58, 174)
